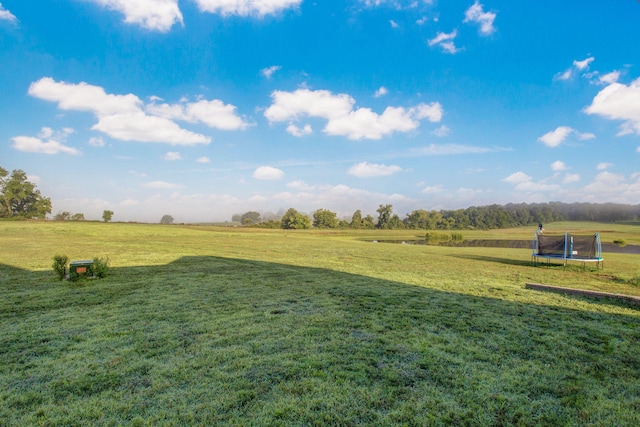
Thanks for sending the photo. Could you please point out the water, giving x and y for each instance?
(515, 244)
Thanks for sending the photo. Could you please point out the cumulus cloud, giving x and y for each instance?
(5, 15)
(125, 117)
(558, 166)
(172, 156)
(393, 23)
(203, 159)
(258, 8)
(96, 141)
(48, 141)
(477, 15)
(445, 41)
(603, 166)
(269, 71)
(525, 183)
(571, 177)
(517, 178)
(557, 136)
(619, 102)
(369, 170)
(214, 113)
(268, 173)
(157, 15)
(299, 131)
(342, 119)
(382, 91)
(609, 78)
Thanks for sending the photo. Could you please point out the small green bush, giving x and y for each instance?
(100, 267)
(457, 237)
(60, 266)
(620, 242)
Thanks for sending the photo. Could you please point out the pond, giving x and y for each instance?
(512, 244)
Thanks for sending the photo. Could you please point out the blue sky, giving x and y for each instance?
(204, 108)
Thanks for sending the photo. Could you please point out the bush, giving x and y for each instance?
(100, 267)
(620, 242)
(60, 266)
(436, 238)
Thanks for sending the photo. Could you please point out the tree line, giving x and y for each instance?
(474, 217)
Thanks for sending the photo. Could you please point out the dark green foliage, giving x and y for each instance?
(19, 198)
(166, 219)
(60, 265)
(293, 219)
(100, 267)
(107, 215)
(324, 218)
(620, 242)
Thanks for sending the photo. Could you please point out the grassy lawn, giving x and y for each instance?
(232, 326)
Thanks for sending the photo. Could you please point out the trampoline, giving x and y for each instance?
(567, 247)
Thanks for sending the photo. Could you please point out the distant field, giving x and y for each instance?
(200, 325)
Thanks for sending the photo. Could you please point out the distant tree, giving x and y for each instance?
(77, 217)
(19, 198)
(368, 222)
(107, 215)
(356, 220)
(292, 219)
(250, 217)
(166, 219)
(62, 216)
(384, 216)
(395, 222)
(417, 219)
(323, 218)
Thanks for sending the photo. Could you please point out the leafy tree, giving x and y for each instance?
(323, 218)
(107, 215)
(368, 222)
(19, 198)
(166, 219)
(77, 217)
(384, 216)
(292, 219)
(62, 216)
(356, 220)
(250, 217)
(417, 219)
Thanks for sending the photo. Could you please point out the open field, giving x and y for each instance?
(232, 326)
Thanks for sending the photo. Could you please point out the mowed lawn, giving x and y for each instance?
(233, 326)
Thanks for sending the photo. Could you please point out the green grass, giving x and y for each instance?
(231, 326)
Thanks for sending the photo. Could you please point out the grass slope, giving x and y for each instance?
(203, 326)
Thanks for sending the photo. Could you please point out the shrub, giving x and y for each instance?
(620, 242)
(60, 265)
(100, 267)
(457, 237)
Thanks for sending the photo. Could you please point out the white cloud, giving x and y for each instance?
(203, 159)
(342, 120)
(158, 15)
(558, 166)
(54, 143)
(268, 173)
(517, 178)
(603, 166)
(442, 131)
(618, 101)
(565, 75)
(5, 15)
(96, 141)
(449, 149)
(269, 71)
(122, 116)
(581, 65)
(611, 77)
(556, 137)
(433, 189)
(297, 131)
(445, 41)
(162, 185)
(36, 145)
(257, 8)
(393, 23)
(583, 136)
(172, 156)
(369, 170)
(571, 177)
(215, 113)
(476, 14)
(381, 92)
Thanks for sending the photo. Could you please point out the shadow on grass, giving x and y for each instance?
(509, 261)
(209, 340)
